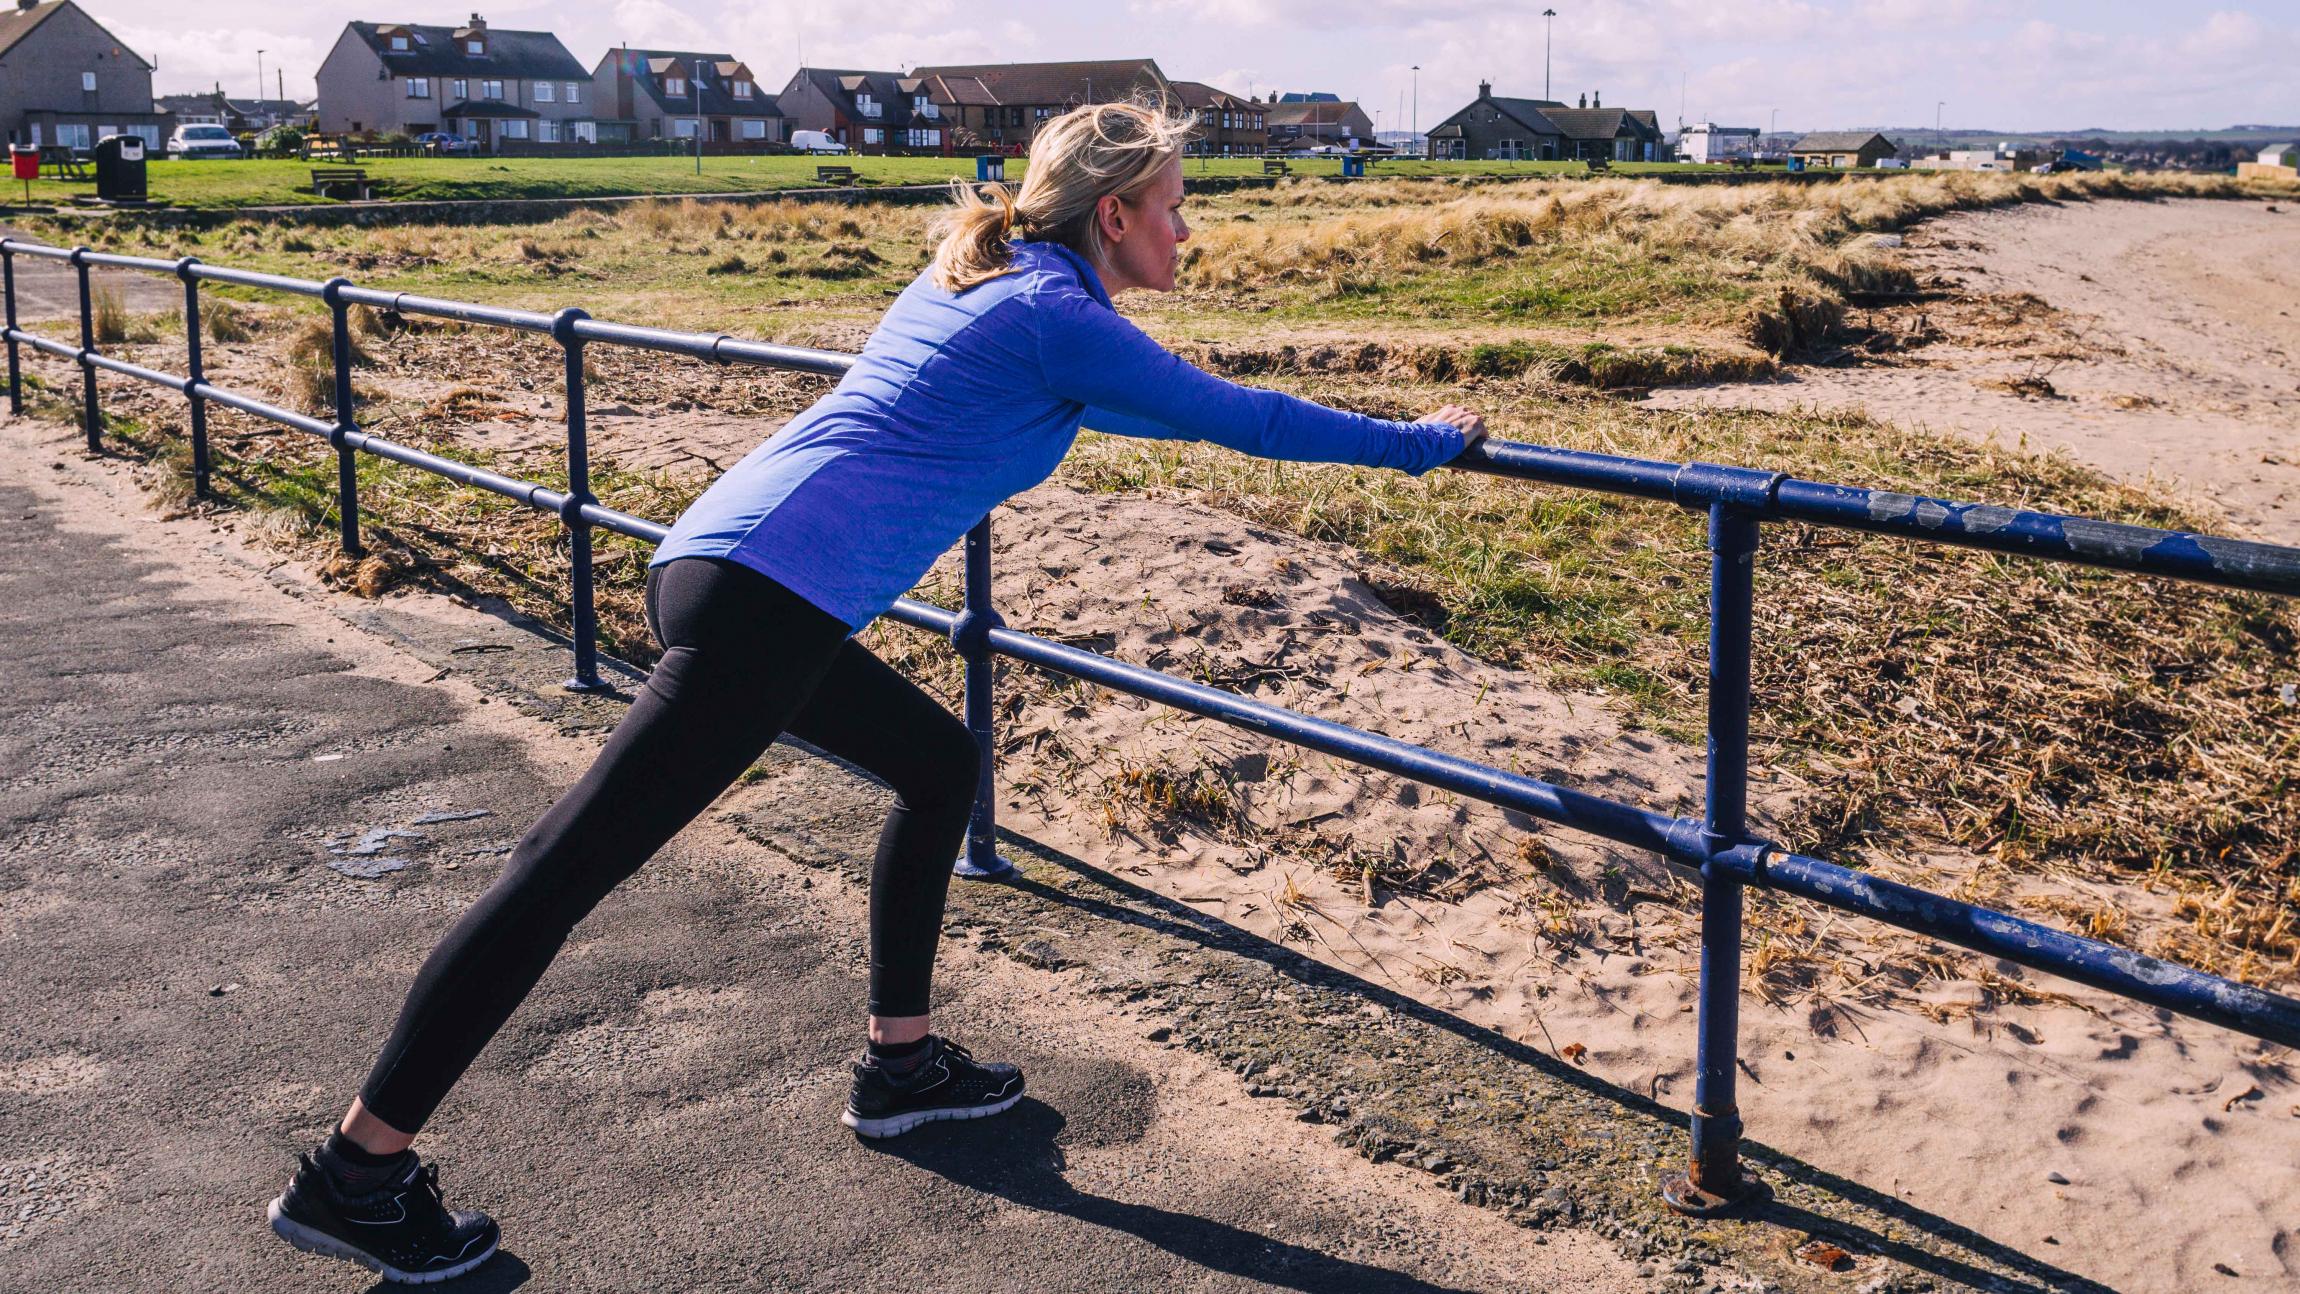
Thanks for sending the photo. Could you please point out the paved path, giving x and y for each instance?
(194, 972)
(48, 290)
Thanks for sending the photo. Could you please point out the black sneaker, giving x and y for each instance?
(401, 1231)
(949, 1085)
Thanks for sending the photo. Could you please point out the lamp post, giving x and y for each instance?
(1417, 99)
(1548, 22)
(1938, 139)
(259, 74)
(696, 86)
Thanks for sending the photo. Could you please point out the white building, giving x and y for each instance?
(1706, 141)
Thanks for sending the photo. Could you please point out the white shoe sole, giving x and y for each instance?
(899, 1124)
(320, 1242)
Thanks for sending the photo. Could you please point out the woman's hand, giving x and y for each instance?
(1472, 425)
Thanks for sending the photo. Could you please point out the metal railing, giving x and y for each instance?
(1717, 845)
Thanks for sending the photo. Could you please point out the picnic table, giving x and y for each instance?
(64, 161)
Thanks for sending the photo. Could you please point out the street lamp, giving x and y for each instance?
(696, 87)
(1417, 100)
(1548, 21)
(1938, 140)
(259, 74)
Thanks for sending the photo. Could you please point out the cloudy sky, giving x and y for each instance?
(2057, 64)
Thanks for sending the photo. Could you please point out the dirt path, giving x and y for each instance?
(2176, 353)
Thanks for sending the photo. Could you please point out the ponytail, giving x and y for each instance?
(1079, 158)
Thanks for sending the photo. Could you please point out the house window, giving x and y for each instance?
(461, 87)
(675, 86)
(742, 89)
(71, 136)
(583, 132)
(419, 87)
(923, 138)
(545, 92)
(753, 128)
(547, 131)
(872, 134)
(574, 92)
(515, 129)
(1013, 115)
(1257, 121)
(866, 105)
(399, 44)
(490, 89)
(1041, 114)
(475, 48)
(683, 127)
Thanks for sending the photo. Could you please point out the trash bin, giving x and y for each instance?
(1353, 165)
(24, 161)
(120, 168)
(988, 168)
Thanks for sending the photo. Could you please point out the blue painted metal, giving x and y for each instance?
(970, 635)
(8, 287)
(194, 376)
(91, 418)
(346, 421)
(1713, 1180)
(583, 616)
(1716, 846)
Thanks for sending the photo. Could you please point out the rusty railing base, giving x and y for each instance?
(1681, 1195)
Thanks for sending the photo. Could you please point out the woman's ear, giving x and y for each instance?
(1110, 214)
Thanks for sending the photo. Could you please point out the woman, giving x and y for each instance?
(970, 390)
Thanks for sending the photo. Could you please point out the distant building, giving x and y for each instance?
(487, 85)
(869, 112)
(239, 116)
(2276, 162)
(1838, 149)
(1706, 141)
(1003, 105)
(1304, 125)
(2002, 158)
(65, 80)
(1224, 124)
(642, 94)
(1493, 126)
(1593, 131)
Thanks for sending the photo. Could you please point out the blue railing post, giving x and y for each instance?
(970, 634)
(346, 461)
(91, 417)
(583, 611)
(8, 288)
(196, 375)
(1713, 1180)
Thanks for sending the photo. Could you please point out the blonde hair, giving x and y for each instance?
(1081, 157)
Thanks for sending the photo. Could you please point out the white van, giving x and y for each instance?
(815, 141)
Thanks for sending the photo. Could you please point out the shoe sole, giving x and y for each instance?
(313, 1241)
(899, 1124)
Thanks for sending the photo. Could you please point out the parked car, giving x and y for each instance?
(439, 141)
(815, 141)
(202, 141)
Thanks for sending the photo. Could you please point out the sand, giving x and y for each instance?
(2174, 352)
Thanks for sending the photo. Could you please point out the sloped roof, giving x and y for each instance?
(1593, 123)
(435, 51)
(646, 67)
(960, 91)
(16, 24)
(893, 90)
(1198, 94)
(1839, 141)
(1058, 83)
(1533, 114)
(1312, 112)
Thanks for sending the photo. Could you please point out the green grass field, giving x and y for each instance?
(287, 182)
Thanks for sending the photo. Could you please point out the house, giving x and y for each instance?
(485, 84)
(1002, 105)
(679, 94)
(1594, 132)
(1307, 124)
(239, 116)
(2275, 162)
(1225, 123)
(2004, 158)
(1493, 126)
(1706, 141)
(1842, 148)
(869, 112)
(66, 80)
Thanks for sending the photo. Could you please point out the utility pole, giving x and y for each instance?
(1549, 21)
(700, 126)
(259, 74)
(1417, 99)
(1938, 139)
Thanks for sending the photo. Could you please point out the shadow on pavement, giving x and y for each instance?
(499, 1274)
(1017, 1157)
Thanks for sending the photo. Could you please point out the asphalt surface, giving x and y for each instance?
(48, 290)
(206, 923)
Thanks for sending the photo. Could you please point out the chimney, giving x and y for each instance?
(478, 23)
(1597, 98)
(1583, 102)
(1485, 89)
(27, 6)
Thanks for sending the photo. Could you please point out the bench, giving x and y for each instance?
(1598, 165)
(835, 174)
(1744, 163)
(324, 178)
(61, 159)
(1275, 166)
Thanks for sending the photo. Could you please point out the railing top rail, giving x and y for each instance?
(2206, 559)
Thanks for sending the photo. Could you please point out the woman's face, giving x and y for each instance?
(1142, 239)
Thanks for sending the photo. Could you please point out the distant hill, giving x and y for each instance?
(1969, 137)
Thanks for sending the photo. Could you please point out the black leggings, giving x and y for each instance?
(744, 660)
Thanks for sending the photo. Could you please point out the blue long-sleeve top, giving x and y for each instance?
(960, 400)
